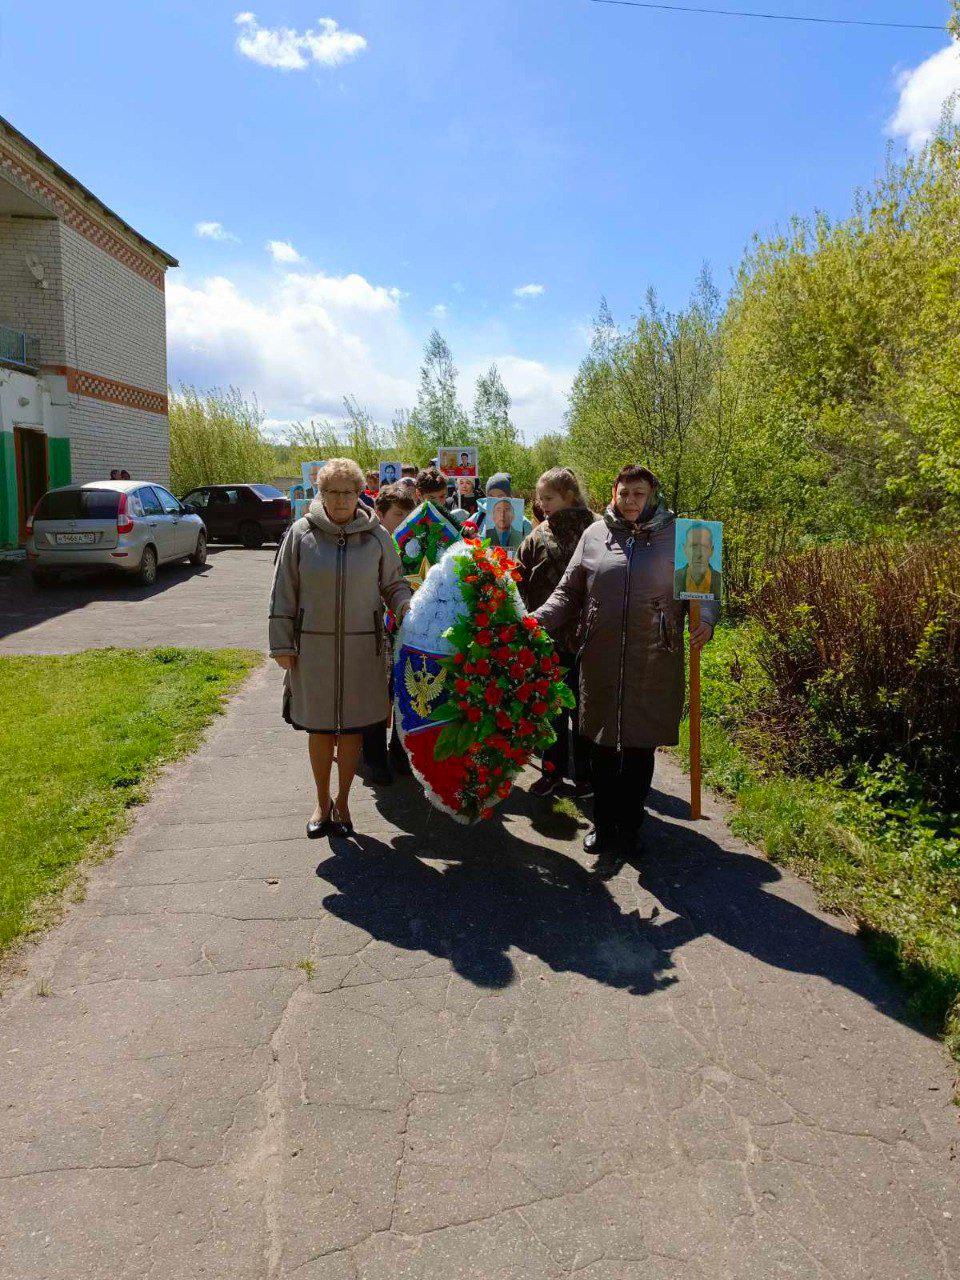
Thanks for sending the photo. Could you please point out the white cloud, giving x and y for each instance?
(289, 50)
(214, 231)
(529, 291)
(283, 251)
(440, 311)
(924, 92)
(300, 342)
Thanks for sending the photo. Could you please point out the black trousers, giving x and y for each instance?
(570, 754)
(621, 784)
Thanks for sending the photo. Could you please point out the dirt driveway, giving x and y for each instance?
(221, 605)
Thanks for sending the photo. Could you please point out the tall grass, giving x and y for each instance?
(216, 437)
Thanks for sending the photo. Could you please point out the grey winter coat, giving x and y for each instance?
(329, 588)
(619, 587)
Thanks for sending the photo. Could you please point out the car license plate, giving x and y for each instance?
(71, 539)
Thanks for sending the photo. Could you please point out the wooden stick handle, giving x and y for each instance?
(695, 767)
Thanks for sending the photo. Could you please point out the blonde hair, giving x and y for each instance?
(563, 481)
(340, 469)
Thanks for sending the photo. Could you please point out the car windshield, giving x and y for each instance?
(266, 491)
(79, 504)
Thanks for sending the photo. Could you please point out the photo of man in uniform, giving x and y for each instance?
(389, 473)
(698, 577)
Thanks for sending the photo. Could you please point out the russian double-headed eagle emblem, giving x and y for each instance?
(423, 687)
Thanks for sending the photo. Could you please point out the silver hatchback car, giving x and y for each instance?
(121, 524)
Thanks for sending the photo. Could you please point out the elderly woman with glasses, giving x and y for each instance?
(336, 570)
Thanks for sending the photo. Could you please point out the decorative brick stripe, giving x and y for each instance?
(96, 387)
(74, 215)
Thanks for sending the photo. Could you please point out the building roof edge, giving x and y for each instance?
(62, 175)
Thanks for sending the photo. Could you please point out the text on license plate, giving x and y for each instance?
(74, 538)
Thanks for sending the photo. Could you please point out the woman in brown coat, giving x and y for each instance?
(542, 560)
(619, 588)
(336, 569)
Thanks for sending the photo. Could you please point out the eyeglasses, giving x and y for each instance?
(340, 493)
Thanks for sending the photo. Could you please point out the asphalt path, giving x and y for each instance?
(438, 1052)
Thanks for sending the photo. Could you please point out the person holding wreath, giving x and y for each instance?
(542, 560)
(619, 590)
(336, 569)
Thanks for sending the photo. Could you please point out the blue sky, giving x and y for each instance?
(424, 161)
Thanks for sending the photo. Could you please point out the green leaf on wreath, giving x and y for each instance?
(447, 742)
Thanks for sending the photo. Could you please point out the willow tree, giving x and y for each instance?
(658, 393)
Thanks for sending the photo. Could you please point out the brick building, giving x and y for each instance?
(83, 362)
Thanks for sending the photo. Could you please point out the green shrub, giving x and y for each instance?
(861, 646)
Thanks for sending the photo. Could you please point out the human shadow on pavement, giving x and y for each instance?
(726, 893)
(495, 892)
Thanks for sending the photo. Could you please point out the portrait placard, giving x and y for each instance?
(310, 471)
(697, 560)
(503, 521)
(389, 472)
(458, 460)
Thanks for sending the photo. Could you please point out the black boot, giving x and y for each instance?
(398, 757)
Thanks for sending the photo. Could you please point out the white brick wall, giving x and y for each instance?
(99, 316)
(115, 320)
(104, 436)
(23, 305)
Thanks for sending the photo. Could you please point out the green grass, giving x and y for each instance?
(870, 845)
(81, 738)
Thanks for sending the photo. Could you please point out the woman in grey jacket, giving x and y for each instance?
(336, 569)
(619, 589)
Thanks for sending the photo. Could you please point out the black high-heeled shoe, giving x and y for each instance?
(322, 828)
(340, 828)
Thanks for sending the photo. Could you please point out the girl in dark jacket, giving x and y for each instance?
(542, 559)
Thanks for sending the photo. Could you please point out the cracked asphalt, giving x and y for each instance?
(440, 1052)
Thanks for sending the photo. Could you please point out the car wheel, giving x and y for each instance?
(147, 573)
(251, 535)
(45, 577)
(199, 556)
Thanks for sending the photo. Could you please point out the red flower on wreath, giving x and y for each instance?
(524, 728)
(539, 708)
(507, 633)
(483, 667)
(530, 623)
(524, 692)
(473, 714)
(527, 658)
(484, 638)
(493, 695)
(546, 662)
(482, 619)
(462, 686)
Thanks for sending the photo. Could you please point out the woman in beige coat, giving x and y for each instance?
(336, 569)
